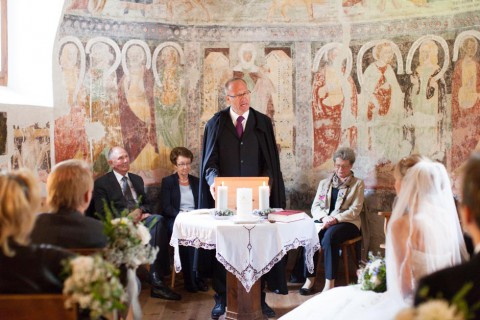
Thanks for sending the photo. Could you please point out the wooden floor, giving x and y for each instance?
(199, 305)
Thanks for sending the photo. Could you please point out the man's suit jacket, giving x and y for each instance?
(68, 229)
(107, 188)
(171, 197)
(448, 282)
(263, 130)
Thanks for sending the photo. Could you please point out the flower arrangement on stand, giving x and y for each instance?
(128, 246)
(373, 275)
(94, 285)
(128, 243)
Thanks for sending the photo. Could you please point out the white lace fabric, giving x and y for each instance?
(246, 250)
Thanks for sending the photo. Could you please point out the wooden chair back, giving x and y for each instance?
(233, 183)
(386, 215)
(35, 307)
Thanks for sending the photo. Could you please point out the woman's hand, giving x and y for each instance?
(329, 221)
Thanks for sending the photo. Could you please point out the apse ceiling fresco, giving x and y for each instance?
(265, 12)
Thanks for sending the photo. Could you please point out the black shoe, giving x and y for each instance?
(219, 308)
(305, 291)
(156, 280)
(191, 288)
(267, 311)
(164, 292)
(201, 284)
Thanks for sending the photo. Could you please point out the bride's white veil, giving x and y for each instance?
(424, 233)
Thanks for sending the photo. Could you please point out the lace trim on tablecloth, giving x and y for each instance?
(250, 275)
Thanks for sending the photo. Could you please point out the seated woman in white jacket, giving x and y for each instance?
(423, 236)
(337, 206)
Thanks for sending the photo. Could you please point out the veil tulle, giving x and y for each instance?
(424, 233)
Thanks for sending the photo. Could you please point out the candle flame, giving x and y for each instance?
(264, 183)
(223, 183)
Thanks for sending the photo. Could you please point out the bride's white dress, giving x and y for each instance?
(351, 302)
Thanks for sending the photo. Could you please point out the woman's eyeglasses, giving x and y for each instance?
(184, 165)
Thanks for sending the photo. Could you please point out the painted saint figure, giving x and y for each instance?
(102, 107)
(169, 111)
(334, 107)
(256, 78)
(465, 102)
(425, 104)
(382, 102)
(71, 144)
(137, 114)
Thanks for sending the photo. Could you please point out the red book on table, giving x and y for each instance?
(286, 215)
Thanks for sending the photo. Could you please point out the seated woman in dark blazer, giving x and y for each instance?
(25, 268)
(179, 192)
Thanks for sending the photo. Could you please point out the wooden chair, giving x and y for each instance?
(350, 245)
(35, 307)
(386, 215)
(348, 249)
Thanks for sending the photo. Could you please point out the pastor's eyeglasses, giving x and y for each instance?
(240, 95)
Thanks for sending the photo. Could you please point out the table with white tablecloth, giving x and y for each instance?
(247, 250)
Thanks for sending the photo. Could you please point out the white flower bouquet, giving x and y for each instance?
(128, 243)
(437, 309)
(373, 276)
(93, 284)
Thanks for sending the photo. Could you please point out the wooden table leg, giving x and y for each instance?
(240, 304)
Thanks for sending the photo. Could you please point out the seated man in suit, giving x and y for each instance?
(122, 190)
(69, 188)
(448, 282)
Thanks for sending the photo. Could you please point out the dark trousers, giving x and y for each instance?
(187, 256)
(330, 240)
(160, 239)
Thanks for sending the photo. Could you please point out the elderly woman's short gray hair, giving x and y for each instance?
(345, 153)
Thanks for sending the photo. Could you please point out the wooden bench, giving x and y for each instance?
(35, 307)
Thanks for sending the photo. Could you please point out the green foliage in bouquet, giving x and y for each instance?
(457, 308)
(373, 276)
(263, 213)
(128, 240)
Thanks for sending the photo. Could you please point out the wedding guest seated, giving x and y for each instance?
(121, 190)
(25, 268)
(449, 282)
(423, 218)
(179, 192)
(337, 206)
(69, 191)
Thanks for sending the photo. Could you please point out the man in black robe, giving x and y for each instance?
(240, 142)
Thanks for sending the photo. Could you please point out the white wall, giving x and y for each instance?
(32, 26)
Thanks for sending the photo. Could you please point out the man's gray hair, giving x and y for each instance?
(229, 81)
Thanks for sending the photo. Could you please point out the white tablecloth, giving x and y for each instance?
(246, 250)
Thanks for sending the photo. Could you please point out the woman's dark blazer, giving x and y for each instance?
(170, 194)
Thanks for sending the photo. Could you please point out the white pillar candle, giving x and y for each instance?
(222, 197)
(244, 201)
(263, 197)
